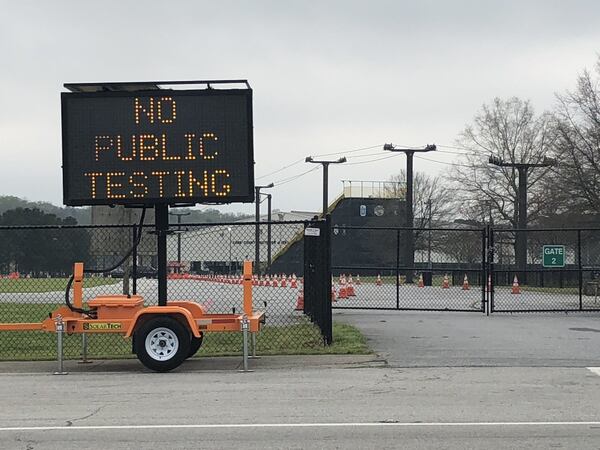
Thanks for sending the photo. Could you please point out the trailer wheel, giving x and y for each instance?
(162, 343)
(195, 345)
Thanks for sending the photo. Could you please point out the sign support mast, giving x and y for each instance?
(161, 212)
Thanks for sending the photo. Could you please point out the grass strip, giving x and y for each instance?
(302, 338)
(32, 285)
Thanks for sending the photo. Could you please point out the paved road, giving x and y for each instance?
(418, 339)
(299, 402)
(440, 380)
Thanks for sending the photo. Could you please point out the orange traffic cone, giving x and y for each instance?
(300, 302)
(446, 282)
(466, 283)
(350, 288)
(358, 280)
(294, 284)
(515, 287)
(342, 294)
(283, 281)
(421, 283)
(378, 282)
(275, 283)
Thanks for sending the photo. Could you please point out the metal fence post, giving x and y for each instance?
(134, 258)
(327, 317)
(398, 269)
(84, 349)
(490, 282)
(580, 270)
(253, 344)
(60, 328)
(485, 306)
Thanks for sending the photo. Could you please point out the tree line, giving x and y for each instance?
(41, 251)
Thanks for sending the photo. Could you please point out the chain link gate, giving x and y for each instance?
(317, 276)
(449, 272)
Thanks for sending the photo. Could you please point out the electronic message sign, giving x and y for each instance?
(159, 146)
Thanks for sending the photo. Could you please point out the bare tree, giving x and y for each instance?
(578, 142)
(429, 192)
(510, 130)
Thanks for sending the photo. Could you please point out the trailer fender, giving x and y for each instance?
(175, 311)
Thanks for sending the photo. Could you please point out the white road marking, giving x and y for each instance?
(595, 370)
(300, 425)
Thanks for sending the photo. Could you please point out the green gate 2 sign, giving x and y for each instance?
(553, 256)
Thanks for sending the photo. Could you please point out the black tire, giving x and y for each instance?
(162, 343)
(195, 345)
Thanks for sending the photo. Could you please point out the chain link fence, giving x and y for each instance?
(205, 263)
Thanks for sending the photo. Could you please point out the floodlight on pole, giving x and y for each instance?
(325, 164)
(410, 243)
(257, 226)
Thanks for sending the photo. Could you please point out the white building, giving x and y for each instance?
(223, 248)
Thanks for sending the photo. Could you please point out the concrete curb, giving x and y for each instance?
(205, 364)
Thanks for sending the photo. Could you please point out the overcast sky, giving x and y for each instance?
(328, 76)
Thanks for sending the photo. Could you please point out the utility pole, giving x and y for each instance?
(409, 257)
(257, 226)
(521, 226)
(325, 164)
(179, 216)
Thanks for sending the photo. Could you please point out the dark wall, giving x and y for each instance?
(372, 248)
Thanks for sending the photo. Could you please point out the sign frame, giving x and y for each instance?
(132, 202)
(553, 266)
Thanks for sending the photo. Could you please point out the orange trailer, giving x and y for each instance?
(163, 336)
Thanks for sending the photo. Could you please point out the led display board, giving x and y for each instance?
(160, 146)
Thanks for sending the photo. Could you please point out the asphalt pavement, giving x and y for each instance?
(454, 339)
(436, 380)
(298, 402)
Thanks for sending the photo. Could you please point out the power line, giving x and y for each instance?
(373, 160)
(293, 177)
(450, 163)
(365, 155)
(279, 170)
(349, 151)
(474, 150)
(458, 153)
(362, 149)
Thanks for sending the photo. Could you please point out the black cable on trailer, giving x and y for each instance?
(105, 270)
